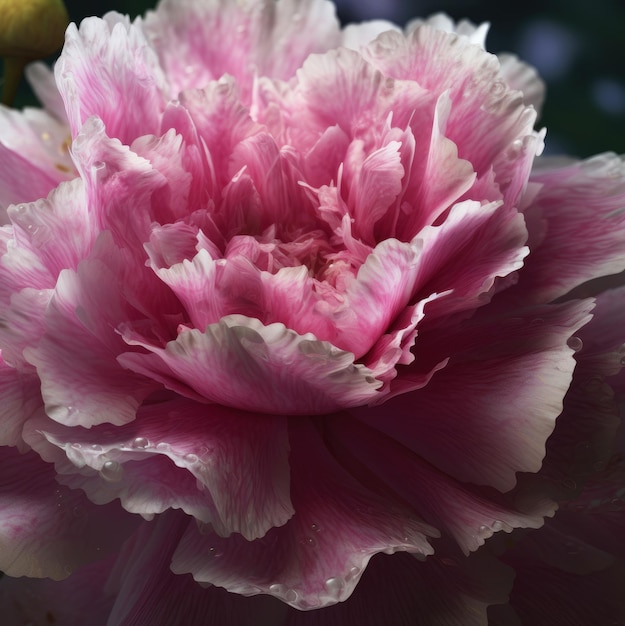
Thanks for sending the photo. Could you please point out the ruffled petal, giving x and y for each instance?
(317, 558)
(105, 62)
(226, 468)
(242, 363)
(265, 39)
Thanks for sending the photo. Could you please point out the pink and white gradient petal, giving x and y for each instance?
(316, 558)
(242, 363)
(228, 469)
(473, 420)
(107, 61)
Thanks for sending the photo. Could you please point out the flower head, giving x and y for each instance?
(271, 309)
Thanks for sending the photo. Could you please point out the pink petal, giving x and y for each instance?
(265, 38)
(489, 123)
(41, 79)
(81, 382)
(105, 62)
(473, 420)
(226, 468)
(34, 156)
(467, 514)
(524, 78)
(491, 238)
(46, 529)
(577, 226)
(317, 558)
(240, 362)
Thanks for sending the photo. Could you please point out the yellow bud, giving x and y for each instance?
(31, 29)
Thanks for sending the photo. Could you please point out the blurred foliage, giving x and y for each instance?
(579, 45)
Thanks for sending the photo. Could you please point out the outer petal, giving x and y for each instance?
(105, 62)
(462, 512)
(46, 529)
(240, 362)
(474, 419)
(576, 224)
(317, 558)
(149, 593)
(226, 468)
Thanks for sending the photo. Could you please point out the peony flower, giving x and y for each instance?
(299, 329)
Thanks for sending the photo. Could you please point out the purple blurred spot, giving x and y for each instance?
(609, 95)
(551, 48)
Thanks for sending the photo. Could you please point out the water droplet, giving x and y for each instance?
(162, 446)
(99, 166)
(315, 528)
(277, 589)
(497, 526)
(76, 446)
(309, 541)
(191, 458)
(352, 574)
(140, 443)
(291, 596)
(214, 552)
(58, 412)
(112, 471)
(78, 511)
(575, 343)
(95, 447)
(484, 531)
(334, 586)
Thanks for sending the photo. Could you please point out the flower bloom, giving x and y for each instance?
(277, 297)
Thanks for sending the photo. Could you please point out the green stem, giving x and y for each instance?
(13, 69)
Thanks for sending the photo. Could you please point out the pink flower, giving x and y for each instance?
(277, 297)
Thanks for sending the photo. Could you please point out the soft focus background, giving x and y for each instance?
(577, 45)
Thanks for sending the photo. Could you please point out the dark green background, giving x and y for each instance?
(576, 121)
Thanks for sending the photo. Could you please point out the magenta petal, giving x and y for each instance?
(149, 593)
(316, 558)
(227, 468)
(46, 529)
(576, 224)
(467, 514)
(240, 362)
(472, 419)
